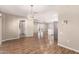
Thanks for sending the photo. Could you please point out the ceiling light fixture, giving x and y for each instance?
(32, 11)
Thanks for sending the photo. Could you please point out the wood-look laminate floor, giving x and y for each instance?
(32, 46)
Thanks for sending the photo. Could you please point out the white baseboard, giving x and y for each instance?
(13, 38)
(68, 47)
(9, 39)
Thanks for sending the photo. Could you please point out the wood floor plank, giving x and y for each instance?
(33, 45)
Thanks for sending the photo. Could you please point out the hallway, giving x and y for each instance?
(56, 29)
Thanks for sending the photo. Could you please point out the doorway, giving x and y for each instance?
(47, 31)
(22, 28)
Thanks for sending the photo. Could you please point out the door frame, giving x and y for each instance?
(0, 30)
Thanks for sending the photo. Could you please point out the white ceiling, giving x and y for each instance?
(24, 10)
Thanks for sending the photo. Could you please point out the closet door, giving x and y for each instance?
(0, 30)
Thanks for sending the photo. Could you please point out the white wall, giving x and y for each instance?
(10, 26)
(49, 16)
(29, 28)
(68, 34)
(0, 30)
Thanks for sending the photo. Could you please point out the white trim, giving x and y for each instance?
(0, 30)
(9, 39)
(68, 47)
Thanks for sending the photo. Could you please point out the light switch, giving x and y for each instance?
(65, 21)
